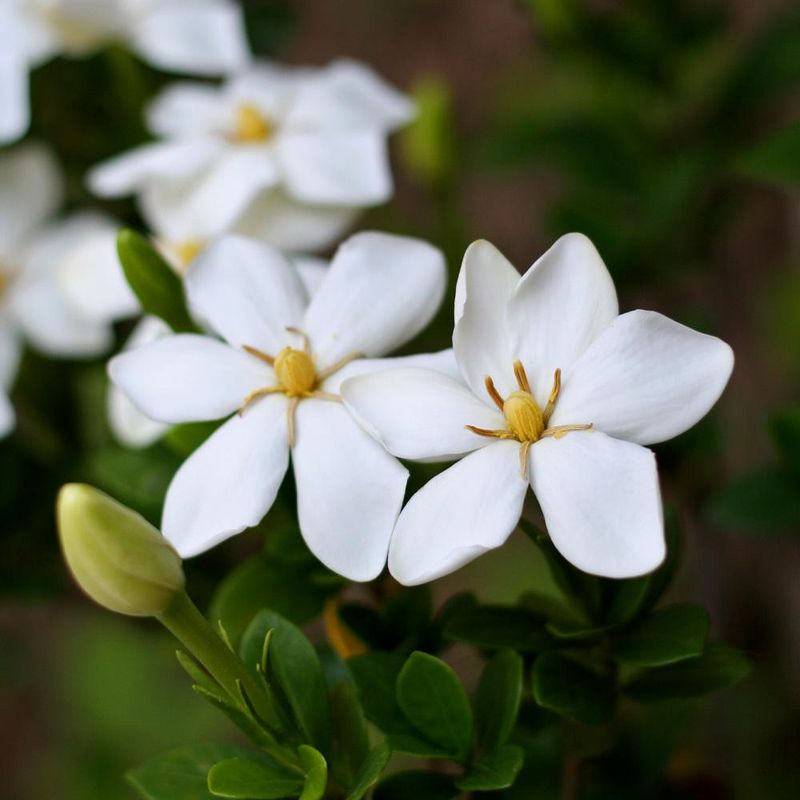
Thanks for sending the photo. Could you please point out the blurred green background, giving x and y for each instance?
(666, 130)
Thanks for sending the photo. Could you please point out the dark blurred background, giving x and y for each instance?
(666, 130)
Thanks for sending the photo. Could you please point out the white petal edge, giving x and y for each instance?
(15, 110)
(601, 502)
(645, 379)
(349, 491)
(231, 481)
(470, 508)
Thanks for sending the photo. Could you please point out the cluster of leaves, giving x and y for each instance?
(582, 658)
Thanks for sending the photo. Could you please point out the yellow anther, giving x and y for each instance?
(295, 372)
(187, 251)
(523, 416)
(252, 125)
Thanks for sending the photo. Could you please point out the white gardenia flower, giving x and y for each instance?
(61, 286)
(559, 393)
(285, 155)
(199, 37)
(277, 371)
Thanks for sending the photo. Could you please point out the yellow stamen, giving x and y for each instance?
(336, 366)
(258, 354)
(187, 251)
(493, 393)
(551, 400)
(560, 431)
(522, 377)
(341, 639)
(251, 125)
(295, 372)
(523, 416)
(290, 426)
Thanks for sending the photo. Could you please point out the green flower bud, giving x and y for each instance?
(118, 558)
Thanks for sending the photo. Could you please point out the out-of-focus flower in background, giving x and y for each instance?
(285, 155)
(198, 37)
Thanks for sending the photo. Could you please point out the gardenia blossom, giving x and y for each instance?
(277, 372)
(200, 37)
(285, 155)
(61, 286)
(559, 393)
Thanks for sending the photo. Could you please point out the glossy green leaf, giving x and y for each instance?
(316, 773)
(252, 779)
(718, 668)
(433, 700)
(156, 285)
(497, 699)
(495, 770)
(496, 627)
(416, 785)
(350, 741)
(295, 666)
(182, 774)
(370, 772)
(572, 689)
(670, 634)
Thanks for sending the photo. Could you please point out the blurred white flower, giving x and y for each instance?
(278, 372)
(199, 37)
(61, 286)
(285, 155)
(561, 393)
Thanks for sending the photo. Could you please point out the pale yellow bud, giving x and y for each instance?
(295, 371)
(118, 558)
(524, 416)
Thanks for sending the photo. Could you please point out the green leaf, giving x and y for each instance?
(375, 675)
(350, 741)
(252, 779)
(197, 673)
(784, 427)
(416, 785)
(776, 158)
(670, 634)
(241, 718)
(496, 627)
(295, 666)
(316, 773)
(435, 703)
(412, 744)
(156, 285)
(497, 699)
(721, 666)
(572, 690)
(181, 774)
(497, 770)
(371, 770)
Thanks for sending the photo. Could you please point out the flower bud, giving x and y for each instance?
(118, 558)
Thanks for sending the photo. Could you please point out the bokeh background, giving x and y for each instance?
(666, 130)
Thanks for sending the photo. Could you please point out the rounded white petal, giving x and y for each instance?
(347, 95)
(291, 226)
(645, 379)
(168, 161)
(464, 511)
(247, 292)
(380, 291)
(127, 423)
(186, 109)
(202, 37)
(188, 378)
(312, 272)
(601, 502)
(349, 490)
(31, 189)
(560, 306)
(15, 111)
(480, 341)
(337, 168)
(230, 482)
(419, 414)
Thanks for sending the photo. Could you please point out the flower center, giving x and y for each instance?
(187, 251)
(295, 372)
(526, 420)
(251, 125)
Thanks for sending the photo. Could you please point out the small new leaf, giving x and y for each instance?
(252, 779)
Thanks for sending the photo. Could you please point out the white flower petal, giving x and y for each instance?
(485, 285)
(30, 191)
(127, 423)
(199, 37)
(15, 112)
(464, 511)
(419, 414)
(601, 502)
(338, 168)
(312, 272)
(152, 163)
(230, 482)
(380, 291)
(291, 226)
(186, 109)
(8, 418)
(345, 95)
(645, 379)
(247, 292)
(349, 491)
(559, 307)
(188, 378)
